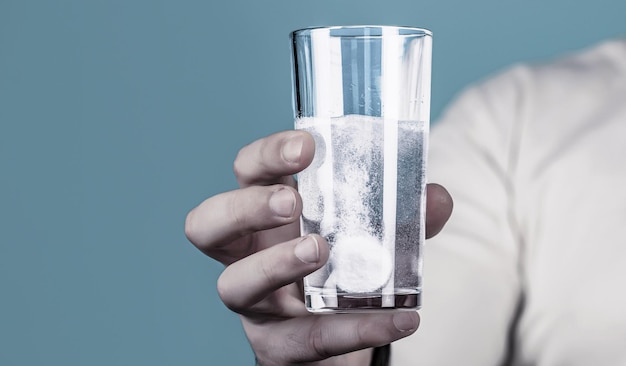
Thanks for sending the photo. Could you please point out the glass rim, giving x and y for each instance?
(411, 31)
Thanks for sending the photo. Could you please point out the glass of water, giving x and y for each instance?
(363, 92)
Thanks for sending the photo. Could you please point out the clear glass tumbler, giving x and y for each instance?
(363, 92)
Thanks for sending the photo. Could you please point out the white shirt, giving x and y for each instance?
(531, 267)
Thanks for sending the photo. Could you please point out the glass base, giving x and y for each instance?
(319, 302)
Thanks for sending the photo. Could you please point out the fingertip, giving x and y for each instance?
(406, 322)
(307, 250)
(312, 249)
(322, 244)
(298, 149)
(440, 195)
(308, 149)
(439, 206)
(284, 202)
(291, 150)
(274, 158)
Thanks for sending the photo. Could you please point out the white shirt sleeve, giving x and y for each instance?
(534, 254)
(471, 277)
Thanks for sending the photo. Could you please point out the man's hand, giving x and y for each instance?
(254, 231)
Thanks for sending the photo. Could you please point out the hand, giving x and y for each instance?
(255, 232)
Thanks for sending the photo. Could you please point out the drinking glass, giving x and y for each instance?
(363, 93)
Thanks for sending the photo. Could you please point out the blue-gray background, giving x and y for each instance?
(117, 117)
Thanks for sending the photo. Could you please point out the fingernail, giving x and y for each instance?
(283, 202)
(293, 149)
(307, 250)
(405, 322)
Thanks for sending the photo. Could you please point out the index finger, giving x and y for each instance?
(273, 159)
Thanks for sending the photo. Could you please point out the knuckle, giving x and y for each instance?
(238, 165)
(238, 217)
(368, 334)
(265, 147)
(268, 271)
(361, 331)
(249, 212)
(224, 292)
(190, 229)
(318, 341)
(250, 161)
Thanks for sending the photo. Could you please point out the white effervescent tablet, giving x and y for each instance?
(360, 263)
